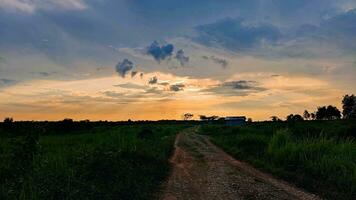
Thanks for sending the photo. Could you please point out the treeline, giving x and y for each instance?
(10, 127)
(329, 112)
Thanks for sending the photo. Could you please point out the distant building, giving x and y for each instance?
(235, 121)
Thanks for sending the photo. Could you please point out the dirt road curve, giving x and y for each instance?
(203, 171)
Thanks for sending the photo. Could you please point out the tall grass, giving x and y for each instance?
(110, 163)
(318, 160)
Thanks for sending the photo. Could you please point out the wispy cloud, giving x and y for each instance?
(221, 61)
(30, 6)
(236, 34)
(235, 88)
(181, 57)
(177, 87)
(7, 82)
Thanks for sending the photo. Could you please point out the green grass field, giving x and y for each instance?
(319, 156)
(105, 163)
(130, 161)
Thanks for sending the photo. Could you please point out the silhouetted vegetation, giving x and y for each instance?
(275, 119)
(328, 113)
(208, 118)
(349, 107)
(188, 116)
(294, 118)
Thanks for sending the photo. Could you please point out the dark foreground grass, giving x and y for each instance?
(108, 163)
(318, 156)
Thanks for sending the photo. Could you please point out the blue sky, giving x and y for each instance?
(226, 57)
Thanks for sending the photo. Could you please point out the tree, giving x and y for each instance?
(321, 113)
(187, 116)
(306, 115)
(275, 118)
(8, 120)
(294, 118)
(8, 123)
(349, 107)
(249, 120)
(328, 113)
(208, 118)
(312, 116)
(332, 113)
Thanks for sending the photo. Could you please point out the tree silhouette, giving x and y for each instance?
(312, 116)
(187, 116)
(8, 120)
(332, 113)
(294, 118)
(349, 107)
(306, 115)
(275, 118)
(328, 113)
(208, 118)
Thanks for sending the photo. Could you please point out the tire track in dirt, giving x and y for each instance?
(203, 171)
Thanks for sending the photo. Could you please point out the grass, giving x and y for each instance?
(106, 163)
(319, 156)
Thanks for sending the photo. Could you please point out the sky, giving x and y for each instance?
(158, 59)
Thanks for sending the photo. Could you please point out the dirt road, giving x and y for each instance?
(203, 171)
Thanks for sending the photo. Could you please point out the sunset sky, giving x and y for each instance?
(158, 59)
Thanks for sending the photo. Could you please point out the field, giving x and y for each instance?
(319, 156)
(97, 161)
(108, 160)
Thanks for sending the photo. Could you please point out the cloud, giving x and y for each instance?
(123, 67)
(30, 6)
(133, 74)
(131, 86)
(235, 88)
(7, 82)
(236, 34)
(46, 74)
(153, 80)
(159, 52)
(183, 60)
(340, 29)
(221, 61)
(176, 87)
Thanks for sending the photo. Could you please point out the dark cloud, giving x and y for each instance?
(159, 52)
(177, 87)
(46, 74)
(241, 85)
(133, 73)
(7, 82)
(123, 67)
(153, 80)
(236, 88)
(236, 34)
(221, 61)
(180, 56)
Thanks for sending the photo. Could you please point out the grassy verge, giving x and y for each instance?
(108, 163)
(318, 156)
